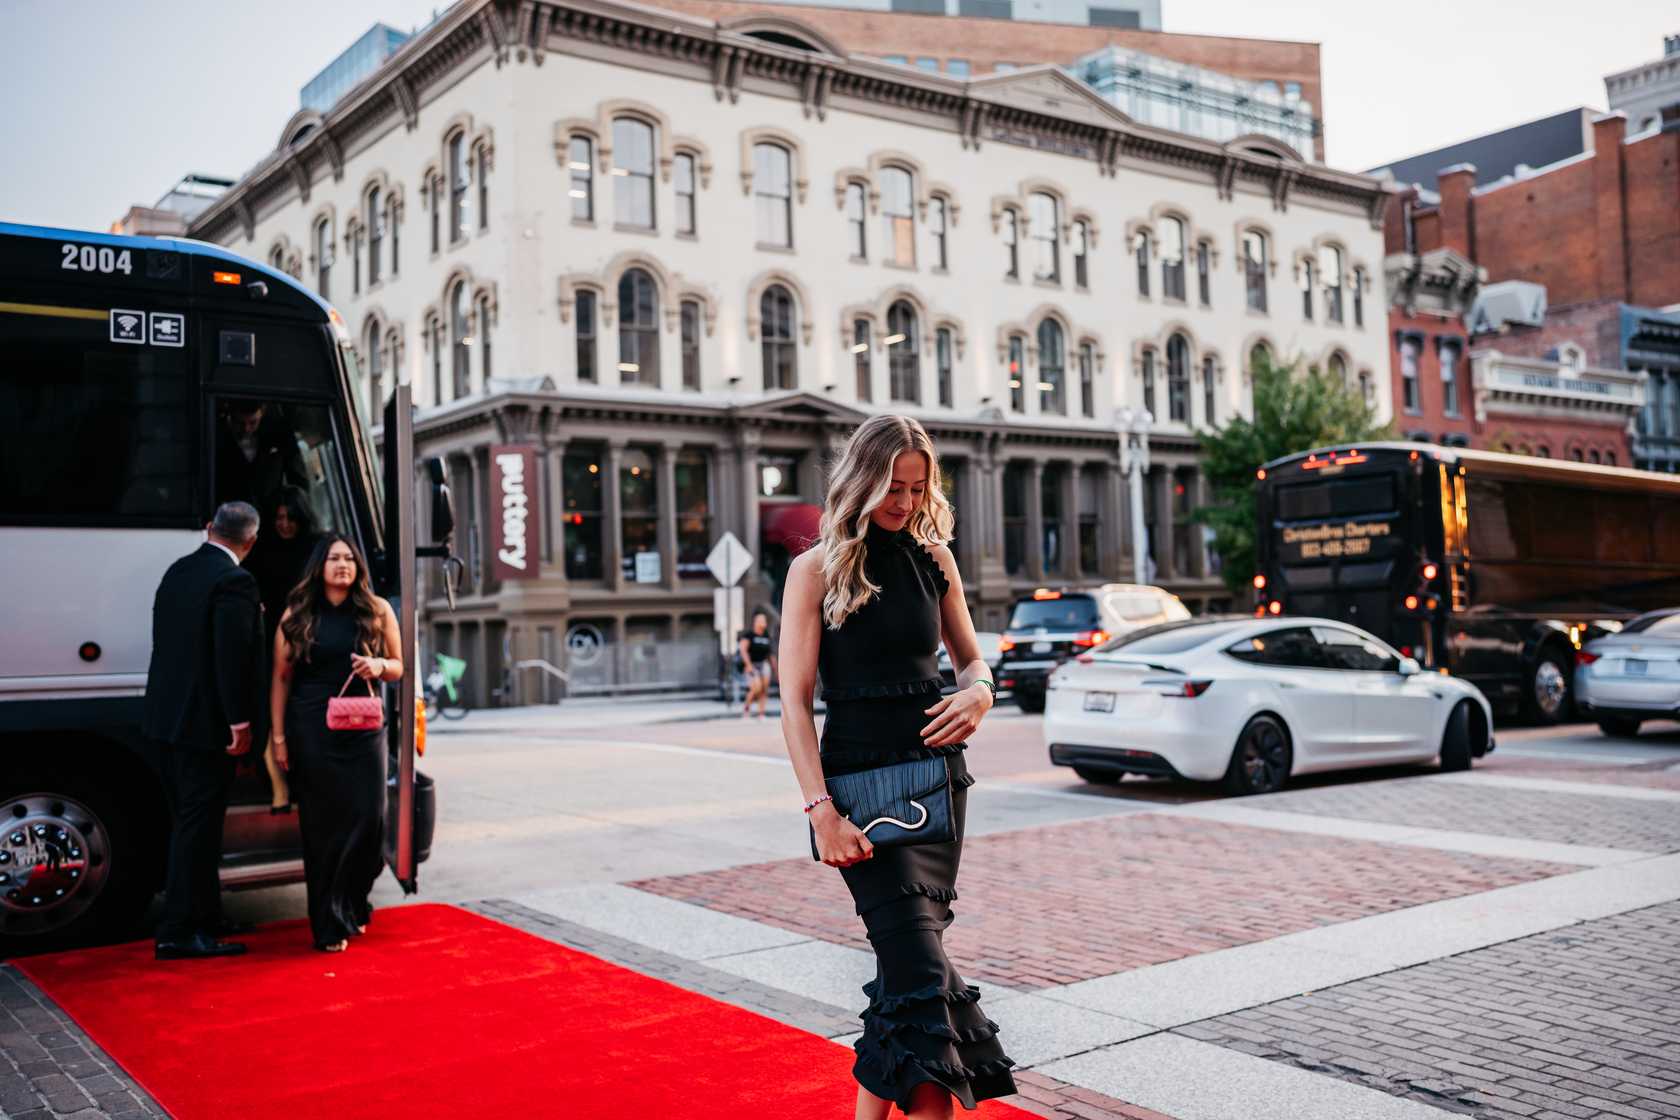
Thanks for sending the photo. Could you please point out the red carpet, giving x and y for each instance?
(438, 1012)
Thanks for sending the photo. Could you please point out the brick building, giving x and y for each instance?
(1541, 358)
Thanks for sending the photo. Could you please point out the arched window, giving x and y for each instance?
(1082, 253)
(586, 362)
(1204, 273)
(856, 234)
(1259, 357)
(481, 336)
(434, 192)
(434, 338)
(1178, 379)
(688, 216)
(375, 370)
(1046, 224)
(773, 195)
(1309, 277)
(1147, 372)
(939, 221)
(481, 171)
(1012, 245)
(781, 356)
(1172, 258)
(376, 233)
(690, 317)
(943, 347)
(633, 173)
(1087, 379)
(460, 333)
(277, 258)
(323, 258)
(1358, 296)
(1254, 268)
(1210, 398)
(1141, 248)
(898, 217)
(459, 179)
(1367, 391)
(1052, 368)
(580, 168)
(1017, 373)
(638, 329)
(904, 356)
(1336, 367)
(1330, 272)
(862, 359)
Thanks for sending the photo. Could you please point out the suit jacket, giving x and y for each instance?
(207, 671)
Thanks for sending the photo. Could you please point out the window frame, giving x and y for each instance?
(768, 203)
(1049, 244)
(639, 184)
(686, 217)
(581, 177)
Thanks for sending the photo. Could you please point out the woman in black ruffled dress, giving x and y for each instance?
(866, 609)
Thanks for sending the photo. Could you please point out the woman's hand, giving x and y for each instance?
(277, 751)
(956, 716)
(367, 668)
(840, 843)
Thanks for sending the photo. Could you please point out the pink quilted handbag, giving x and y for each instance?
(355, 713)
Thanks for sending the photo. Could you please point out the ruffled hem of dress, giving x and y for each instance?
(890, 1069)
(884, 689)
(968, 993)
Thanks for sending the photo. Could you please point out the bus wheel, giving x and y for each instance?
(1456, 748)
(71, 866)
(1546, 700)
(1261, 760)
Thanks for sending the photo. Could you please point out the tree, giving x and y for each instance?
(1293, 412)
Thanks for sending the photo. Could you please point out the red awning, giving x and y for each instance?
(792, 525)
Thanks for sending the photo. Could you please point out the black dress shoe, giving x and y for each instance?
(196, 946)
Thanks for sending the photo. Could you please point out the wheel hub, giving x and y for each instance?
(54, 860)
(1549, 687)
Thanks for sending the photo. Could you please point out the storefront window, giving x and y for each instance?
(638, 496)
(581, 482)
(694, 514)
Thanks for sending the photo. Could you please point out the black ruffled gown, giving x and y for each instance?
(879, 673)
(338, 779)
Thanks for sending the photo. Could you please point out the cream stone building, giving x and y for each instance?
(681, 261)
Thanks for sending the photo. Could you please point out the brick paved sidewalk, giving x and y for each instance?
(50, 1069)
(1062, 903)
(1576, 1024)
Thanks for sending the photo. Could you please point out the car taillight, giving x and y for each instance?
(1187, 690)
(1090, 638)
(1582, 657)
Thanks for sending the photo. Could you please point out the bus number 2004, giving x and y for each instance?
(87, 258)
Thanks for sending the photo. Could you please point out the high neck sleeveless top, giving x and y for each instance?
(880, 669)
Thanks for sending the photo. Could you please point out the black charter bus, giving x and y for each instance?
(142, 382)
(1493, 567)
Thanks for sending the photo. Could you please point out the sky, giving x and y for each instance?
(110, 102)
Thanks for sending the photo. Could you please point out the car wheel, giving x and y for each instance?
(1098, 777)
(1456, 748)
(1030, 701)
(1261, 759)
(1618, 728)
(1546, 700)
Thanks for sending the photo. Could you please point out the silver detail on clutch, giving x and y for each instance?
(901, 824)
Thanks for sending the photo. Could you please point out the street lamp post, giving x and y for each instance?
(1133, 426)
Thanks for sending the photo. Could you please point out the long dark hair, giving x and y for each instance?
(309, 598)
(297, 508)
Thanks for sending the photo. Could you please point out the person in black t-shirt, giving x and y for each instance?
(759, 662)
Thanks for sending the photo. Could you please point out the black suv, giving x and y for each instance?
(1049, 626)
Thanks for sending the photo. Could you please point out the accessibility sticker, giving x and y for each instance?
(128, 326)
(168, 329)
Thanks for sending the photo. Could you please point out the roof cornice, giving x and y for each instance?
(529, 29)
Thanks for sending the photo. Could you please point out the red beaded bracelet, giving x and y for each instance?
(819, 801)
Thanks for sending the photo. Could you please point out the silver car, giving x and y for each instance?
(1633, 675)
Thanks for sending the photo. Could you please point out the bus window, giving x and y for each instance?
(91, 432)
(265, 446)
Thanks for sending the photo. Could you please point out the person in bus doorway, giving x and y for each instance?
(335, 635)
(203, 692)
(278, 562)
(256, 453)
(755, 653)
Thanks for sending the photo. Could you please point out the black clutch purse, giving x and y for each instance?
(905, 803)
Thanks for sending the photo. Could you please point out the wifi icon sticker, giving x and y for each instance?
(128, 326)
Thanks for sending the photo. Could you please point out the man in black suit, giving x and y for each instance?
(204, 690)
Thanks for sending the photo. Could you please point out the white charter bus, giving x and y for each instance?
(137, 375)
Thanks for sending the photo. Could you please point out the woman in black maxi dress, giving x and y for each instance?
(880, 682)
(338, 777)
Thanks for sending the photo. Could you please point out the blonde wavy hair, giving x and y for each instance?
(858, 483)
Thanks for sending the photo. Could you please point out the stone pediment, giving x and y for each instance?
(1050, 91)
(799, 406)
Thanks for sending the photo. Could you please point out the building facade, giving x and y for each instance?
(681, 261)
(1643, 92)
(1145, 14)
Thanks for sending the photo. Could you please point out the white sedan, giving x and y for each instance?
(1253, 702)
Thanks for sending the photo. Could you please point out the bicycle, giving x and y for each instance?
(442, 698)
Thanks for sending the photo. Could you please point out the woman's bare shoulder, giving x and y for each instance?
(807, 566)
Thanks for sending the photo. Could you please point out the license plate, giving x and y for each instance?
(1633, 667)
(1099, 701)
(1041, 647)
